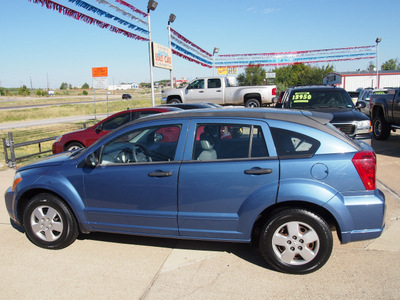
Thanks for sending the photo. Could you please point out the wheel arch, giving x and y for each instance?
(26, 196)
(249, 96)
(314, 208)
(66, 145)
(169, 98)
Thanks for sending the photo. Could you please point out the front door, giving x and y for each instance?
(134, 189)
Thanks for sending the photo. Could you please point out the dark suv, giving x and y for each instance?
(333, 100)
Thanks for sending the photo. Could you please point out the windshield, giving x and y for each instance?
(314, 99)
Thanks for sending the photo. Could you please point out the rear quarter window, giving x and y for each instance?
(293, 144)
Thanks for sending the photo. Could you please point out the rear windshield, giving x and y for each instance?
(328, 98)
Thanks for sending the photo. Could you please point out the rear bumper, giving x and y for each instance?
(360, 217)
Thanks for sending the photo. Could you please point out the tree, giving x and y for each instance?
(85, 86)
(391, 64)
(24, 91)
(253, 75)
(63, 86)
(300, 74)
(371, 67)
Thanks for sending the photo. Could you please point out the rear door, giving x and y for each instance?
(396, 108)
(214, 92)
(226, 182)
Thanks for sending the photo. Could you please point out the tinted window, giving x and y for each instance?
(150, 144)
(290, 143)
(116, 121)
(228, 141)
(326, 98)
(214, 83)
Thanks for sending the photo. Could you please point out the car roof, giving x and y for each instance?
(317, 87)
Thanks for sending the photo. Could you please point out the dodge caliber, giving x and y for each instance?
(280, 179)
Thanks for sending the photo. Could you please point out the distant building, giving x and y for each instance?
(351, 81)
(123, 86)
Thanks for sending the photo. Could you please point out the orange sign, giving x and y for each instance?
(100, 72)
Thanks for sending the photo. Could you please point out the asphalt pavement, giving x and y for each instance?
(105, 266)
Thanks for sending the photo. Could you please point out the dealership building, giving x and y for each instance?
(351, 81)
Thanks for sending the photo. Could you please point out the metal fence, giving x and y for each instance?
(9, 146)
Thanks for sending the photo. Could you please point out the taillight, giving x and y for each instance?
(365, 163)
(274, 92)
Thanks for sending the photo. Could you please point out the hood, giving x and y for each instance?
(344, 115)
(53, 160)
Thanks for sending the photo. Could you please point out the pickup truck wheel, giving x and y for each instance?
(174, 101)
(380, 128)
(49, 223)
(296, 241)
(252, 103)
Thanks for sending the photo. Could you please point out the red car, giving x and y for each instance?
(85, 137)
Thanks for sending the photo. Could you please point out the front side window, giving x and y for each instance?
(228, 141)
(152, 144)
(290, 143)
(197, 84)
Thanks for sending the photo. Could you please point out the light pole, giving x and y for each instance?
(378, 40)
(215, 51)
(151, 6)
(172, 18)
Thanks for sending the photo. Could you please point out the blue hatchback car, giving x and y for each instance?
(279, 179)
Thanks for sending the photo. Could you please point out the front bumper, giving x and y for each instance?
(9, 197)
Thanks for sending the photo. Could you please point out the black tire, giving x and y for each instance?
(73, 146)
(306, 249)
(49, 223)
(380, 128)
(174, 101)
(253, 103)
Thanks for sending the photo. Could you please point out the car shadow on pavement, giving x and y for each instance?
(389, 147)
(247, 252)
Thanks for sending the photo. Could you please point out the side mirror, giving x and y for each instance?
(92, 160)
(361, 104)
(99, 128)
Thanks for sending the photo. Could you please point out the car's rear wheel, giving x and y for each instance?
(73, 146)
(49, 223)
(252, 103)
(296, 241)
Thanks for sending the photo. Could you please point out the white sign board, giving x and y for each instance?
(100, 83)
(162, 57)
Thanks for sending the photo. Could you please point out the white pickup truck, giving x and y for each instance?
(219, 90)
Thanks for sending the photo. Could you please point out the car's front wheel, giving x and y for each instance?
(296, 241)
(49, 223)
(174, 101)
(73, 146)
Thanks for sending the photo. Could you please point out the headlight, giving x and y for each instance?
(17, 179)
(363, 127)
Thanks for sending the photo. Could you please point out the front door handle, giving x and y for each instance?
(160, 174)
(258, 171)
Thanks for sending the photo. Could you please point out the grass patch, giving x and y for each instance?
(36, 133)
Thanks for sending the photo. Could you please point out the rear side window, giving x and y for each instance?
(289, 143)
(228, 141)
(214, 83)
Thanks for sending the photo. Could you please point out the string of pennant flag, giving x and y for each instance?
(191, 52)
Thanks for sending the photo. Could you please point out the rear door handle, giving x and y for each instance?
(258, 171)
(160, 174)
(201, 91)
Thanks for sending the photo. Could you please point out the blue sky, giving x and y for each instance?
(38, 43)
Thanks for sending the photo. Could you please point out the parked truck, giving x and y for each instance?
(385, 113)
(219, 90)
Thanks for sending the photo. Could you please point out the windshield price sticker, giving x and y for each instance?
(301, 97)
